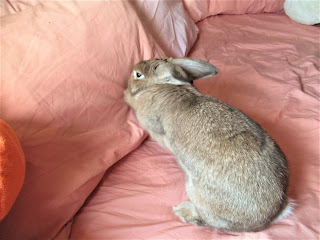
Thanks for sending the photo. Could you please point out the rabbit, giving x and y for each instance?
(236, 175)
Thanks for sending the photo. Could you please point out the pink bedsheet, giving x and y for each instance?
(64, 66)
(269, 68)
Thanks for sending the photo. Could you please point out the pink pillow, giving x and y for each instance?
(200, 9)
(65, 66)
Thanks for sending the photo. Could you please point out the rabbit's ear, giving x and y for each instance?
(194, 68)
(173, 76)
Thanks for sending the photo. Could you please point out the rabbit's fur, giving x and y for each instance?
(236, 175)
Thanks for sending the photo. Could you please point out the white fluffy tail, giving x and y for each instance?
(286, 211)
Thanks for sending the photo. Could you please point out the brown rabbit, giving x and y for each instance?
(236, 175)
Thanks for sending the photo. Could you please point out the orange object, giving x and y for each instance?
(12, 168)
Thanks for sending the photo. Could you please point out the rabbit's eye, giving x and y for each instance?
(138, 75)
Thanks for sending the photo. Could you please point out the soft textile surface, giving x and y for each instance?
(11, 7)
(12, 168)
(269, 68)
(64, 67)
(200, 9)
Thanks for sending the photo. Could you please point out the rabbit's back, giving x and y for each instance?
(207, 128)
(234, 165)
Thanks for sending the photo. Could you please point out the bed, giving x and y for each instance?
(92, 172)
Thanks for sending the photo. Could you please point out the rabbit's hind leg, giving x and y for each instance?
(188, 213)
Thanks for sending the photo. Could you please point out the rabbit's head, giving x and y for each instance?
(178, 71)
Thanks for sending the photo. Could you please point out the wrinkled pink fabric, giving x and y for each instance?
(12, 7)
(64, 67)
(269, 68)
(200, 9)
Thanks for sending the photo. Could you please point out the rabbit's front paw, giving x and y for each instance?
(187, 212)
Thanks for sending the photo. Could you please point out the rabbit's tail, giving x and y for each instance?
(286, 211)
